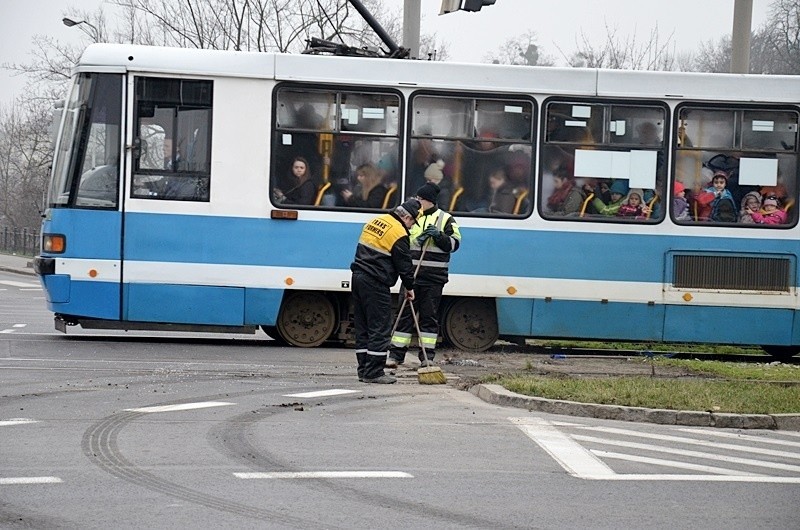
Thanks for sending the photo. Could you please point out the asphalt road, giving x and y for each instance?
(147, 430)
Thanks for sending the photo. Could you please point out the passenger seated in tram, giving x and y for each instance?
(502, 198)
(633, 205)
(567, 197)
(302, 190)
(716, 202)
(435, 174)
(617, 193)
(771, 213)
(369, 192)
(750, 203)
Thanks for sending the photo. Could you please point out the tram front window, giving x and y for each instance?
(86, 166)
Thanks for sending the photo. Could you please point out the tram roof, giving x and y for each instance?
(442, 75)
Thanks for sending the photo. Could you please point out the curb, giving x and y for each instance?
(28, 271)
(498, 395)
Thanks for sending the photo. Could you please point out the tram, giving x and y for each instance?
(167, 208)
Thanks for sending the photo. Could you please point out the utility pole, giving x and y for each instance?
(411, 23)
(740, 36)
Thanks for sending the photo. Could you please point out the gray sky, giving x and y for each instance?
(558, 24)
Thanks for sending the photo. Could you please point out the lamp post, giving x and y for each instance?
(70, 22)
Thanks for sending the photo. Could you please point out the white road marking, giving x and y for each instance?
(16, 421)
(325, 474)
(12, 283)
(32, 289)
(29, 480)
(324, 393)
(182, 406)
(19, 325)
(582, 463)
(684, 452)
(743, 437)
(692, 441)
(576, 460)
(672, 463)
(7, 330)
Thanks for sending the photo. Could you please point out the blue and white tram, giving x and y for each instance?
(163, 212)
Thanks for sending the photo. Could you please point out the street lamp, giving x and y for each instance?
(69, 22)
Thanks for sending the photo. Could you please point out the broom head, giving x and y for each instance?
(431, 375)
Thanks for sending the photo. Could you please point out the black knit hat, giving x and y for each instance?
(428, 191)
(412, 207)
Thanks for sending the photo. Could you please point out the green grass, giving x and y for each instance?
(719, 387)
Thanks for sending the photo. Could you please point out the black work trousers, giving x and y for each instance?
(427, 297)
(372, 318)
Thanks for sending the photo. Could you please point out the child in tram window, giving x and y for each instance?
(634, 206)
(618, 190)
(680, 206)
(716, 201)
(771, 214)
(751, 202)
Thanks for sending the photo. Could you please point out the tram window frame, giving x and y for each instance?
(607, 136)
(337, 131)
(173, 119)
(492, 135)
(761, 155)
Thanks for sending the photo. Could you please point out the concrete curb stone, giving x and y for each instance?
(499, 395)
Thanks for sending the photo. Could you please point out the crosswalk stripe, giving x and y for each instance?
(684, 452)
(743, 437)
(11, 283)
(571, 456)
(324, 474)
(10, 481)
(324, 393)
(182, 406)
(673, 463)
(692, 441)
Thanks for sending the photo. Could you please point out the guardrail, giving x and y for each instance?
(21, 241)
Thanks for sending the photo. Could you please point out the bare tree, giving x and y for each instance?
(25, 152)
(625, 53)
(520, 50)
(781, 37)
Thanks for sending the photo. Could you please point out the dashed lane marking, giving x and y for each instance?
(16, 421)
(324, 474)
(182, 406)
(29, 480)
(324, 393)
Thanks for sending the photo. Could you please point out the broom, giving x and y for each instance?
(426, 375)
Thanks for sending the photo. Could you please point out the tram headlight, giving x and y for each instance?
(54, 243)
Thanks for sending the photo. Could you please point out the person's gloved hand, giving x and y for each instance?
(432, 231)
(422, 238)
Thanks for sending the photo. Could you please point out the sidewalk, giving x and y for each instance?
(17, 264)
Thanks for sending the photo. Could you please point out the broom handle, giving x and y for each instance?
(403, 305)
(421, 344)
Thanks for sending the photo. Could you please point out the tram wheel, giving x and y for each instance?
(306, 319)
(274, 334)
(471, 324)
(781, 353)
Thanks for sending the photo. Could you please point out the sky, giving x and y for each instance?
(470, 36)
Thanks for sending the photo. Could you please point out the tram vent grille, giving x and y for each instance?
(738, 273)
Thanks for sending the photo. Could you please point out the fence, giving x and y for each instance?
(22, 241)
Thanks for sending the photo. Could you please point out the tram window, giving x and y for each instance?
(306, 110)
(358, 128)
(737, 183)
(775, 131)
(636, 126)
(173, 156)
(617, 170)
(477, 150)
(574, 123)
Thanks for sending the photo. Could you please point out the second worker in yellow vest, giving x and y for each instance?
(437, 232)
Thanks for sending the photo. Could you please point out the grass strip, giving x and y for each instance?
(742, 397)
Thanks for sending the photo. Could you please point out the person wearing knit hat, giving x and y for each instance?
(618, 190)
(770, 214)
(433, 238)
(680, 206)
(429, 192)
(382, 255)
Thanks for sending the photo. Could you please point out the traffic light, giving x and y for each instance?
(476, 5)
